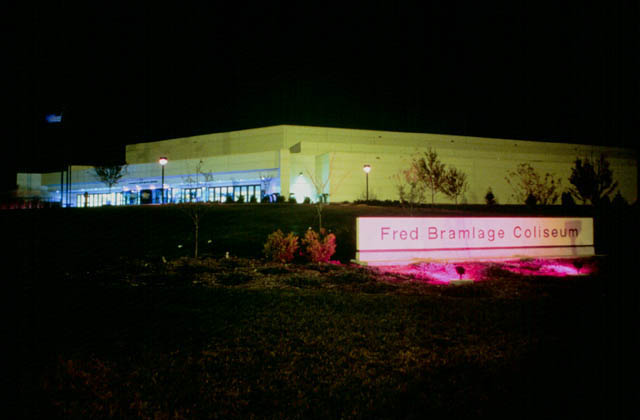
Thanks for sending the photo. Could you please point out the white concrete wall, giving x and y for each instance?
(485, 161)
(298, 157)
(198, 147)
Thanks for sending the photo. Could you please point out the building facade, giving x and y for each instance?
(313, 162)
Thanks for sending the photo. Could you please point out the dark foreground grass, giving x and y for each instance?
(172, 341)
(99, 327)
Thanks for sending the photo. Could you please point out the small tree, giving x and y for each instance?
(592, 181)
(432, 172)
(321, 188)
(196, 212)
(454, 184)
(527, 182)
(207, 176)
(110, 174)
(410, 187)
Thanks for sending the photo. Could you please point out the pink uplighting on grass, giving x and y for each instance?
(445, 272)
(550, 267)
(438, 273)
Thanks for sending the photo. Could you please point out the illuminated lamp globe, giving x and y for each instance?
(366, 168)
(163, 161)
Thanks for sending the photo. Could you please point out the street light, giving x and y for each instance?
(367, 168)
(163, 161)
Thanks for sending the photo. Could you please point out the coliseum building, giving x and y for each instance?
(300, 162)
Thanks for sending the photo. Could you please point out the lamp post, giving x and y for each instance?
(162, 161)
(367, 168)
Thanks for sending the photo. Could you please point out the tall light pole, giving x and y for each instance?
(367, 168)
(163, 161)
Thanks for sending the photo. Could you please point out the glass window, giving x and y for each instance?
(223, 194)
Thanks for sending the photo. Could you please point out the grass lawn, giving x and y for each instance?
(103, 328)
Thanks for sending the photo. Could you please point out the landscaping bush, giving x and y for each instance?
(281, 248)
(490, 198)
(619, 201)
(292, 200)
(253, 199)
(567, 199)
(319, 247)
(279, 198)
(241, 198)
(531, 201)
(307, 200)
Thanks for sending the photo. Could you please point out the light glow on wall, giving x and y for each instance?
(302, 188)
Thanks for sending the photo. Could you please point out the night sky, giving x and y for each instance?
(122, 72)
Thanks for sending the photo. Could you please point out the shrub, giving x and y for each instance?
(265, 199)
(489, 198)
(253, 199)
(619, 201)
(229, 199)
(319, 247)
(292, 200)
(281, 248)
(531, 201)
(307, 200)
(241, 198)
(279, 198)
(567, 199)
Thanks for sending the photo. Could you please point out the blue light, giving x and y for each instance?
(53, 118)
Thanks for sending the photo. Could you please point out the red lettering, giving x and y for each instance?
(414, 234)
(432, 232)
(383, 231)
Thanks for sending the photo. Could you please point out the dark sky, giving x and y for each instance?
(123, 72)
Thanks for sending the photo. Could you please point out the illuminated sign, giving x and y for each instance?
(395, 240)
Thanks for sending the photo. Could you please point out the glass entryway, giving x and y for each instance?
(96, 200)
(221, 194)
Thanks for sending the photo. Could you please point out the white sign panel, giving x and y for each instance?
(403, 239)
